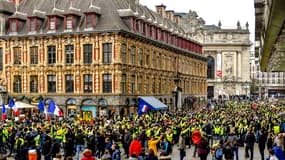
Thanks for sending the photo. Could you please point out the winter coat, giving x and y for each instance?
(46, 147)
(87, 155)
(152, 145)
(151, 157)
(80, 138)
(250, 139)
(116, 155)
(135, 147)
(68, 147)
(55, 149)
(203, 148)
(181, 142)
(228, 152)
(278, 152)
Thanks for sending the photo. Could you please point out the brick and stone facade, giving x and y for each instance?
(83, 57)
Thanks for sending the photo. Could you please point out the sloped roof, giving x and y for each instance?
(7, 6)
(110, 11)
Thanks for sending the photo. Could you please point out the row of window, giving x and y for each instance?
(69, 83)
(34, 23)
(136, 25)
(154, 32)
(88, 84)
(273, 81)
(141, 58)
(69, 54)
(144, 58)
(268, 74)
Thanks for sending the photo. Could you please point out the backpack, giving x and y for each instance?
(219, 153)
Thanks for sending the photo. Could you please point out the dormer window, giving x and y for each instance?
(33, 24)
(69, 22)
(52, 21)
(89, 21)
(14, 25)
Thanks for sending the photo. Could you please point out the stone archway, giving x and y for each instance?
(71, 108)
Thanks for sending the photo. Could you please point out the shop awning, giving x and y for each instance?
(152, 103)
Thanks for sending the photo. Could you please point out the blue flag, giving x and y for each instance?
(143, 107)
(3, 118)
(3, 109)
(11, 102)
(51, 107)
(41, 106)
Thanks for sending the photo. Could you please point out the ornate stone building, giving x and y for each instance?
(227, 51)
(97, 56)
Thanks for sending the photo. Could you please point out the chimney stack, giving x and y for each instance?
(177, 19)
(160, 9)
(17, 2)
(170, 15)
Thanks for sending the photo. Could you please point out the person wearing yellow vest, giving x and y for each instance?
(169, 135)
(157, 132)
(18, 147)
(276, 129)
(59, 135)
(37, 140)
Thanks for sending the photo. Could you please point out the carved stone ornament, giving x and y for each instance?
(86, 38)
(18, 43)
(33, 42)
(68, 40)
(50, 40)
(229, 36)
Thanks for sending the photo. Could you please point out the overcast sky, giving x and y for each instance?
(228, 11)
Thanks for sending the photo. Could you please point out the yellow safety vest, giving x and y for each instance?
(37, 140)
(19, 141)
(276, 130)
(169, 137)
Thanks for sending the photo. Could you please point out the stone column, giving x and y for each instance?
(25, 81)
(60, 86)
(77, 80)
(239, 64)
(59, 51)
(77, 50)
(97, 81)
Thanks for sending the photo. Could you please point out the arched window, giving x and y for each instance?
(211, 68)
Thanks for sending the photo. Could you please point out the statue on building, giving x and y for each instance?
(229, 65)
(238, 25)
(220, 24)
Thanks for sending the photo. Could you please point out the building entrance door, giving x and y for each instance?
(210, 91)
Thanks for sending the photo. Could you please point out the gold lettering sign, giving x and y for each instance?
(87, 115)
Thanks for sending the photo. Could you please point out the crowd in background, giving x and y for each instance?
(217, 132)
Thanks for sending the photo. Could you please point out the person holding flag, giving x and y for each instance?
(13, 106)
(3, 112)
(54, 109)
(41, 106)
(143, 107)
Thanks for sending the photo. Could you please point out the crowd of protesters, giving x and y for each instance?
(151, 136)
